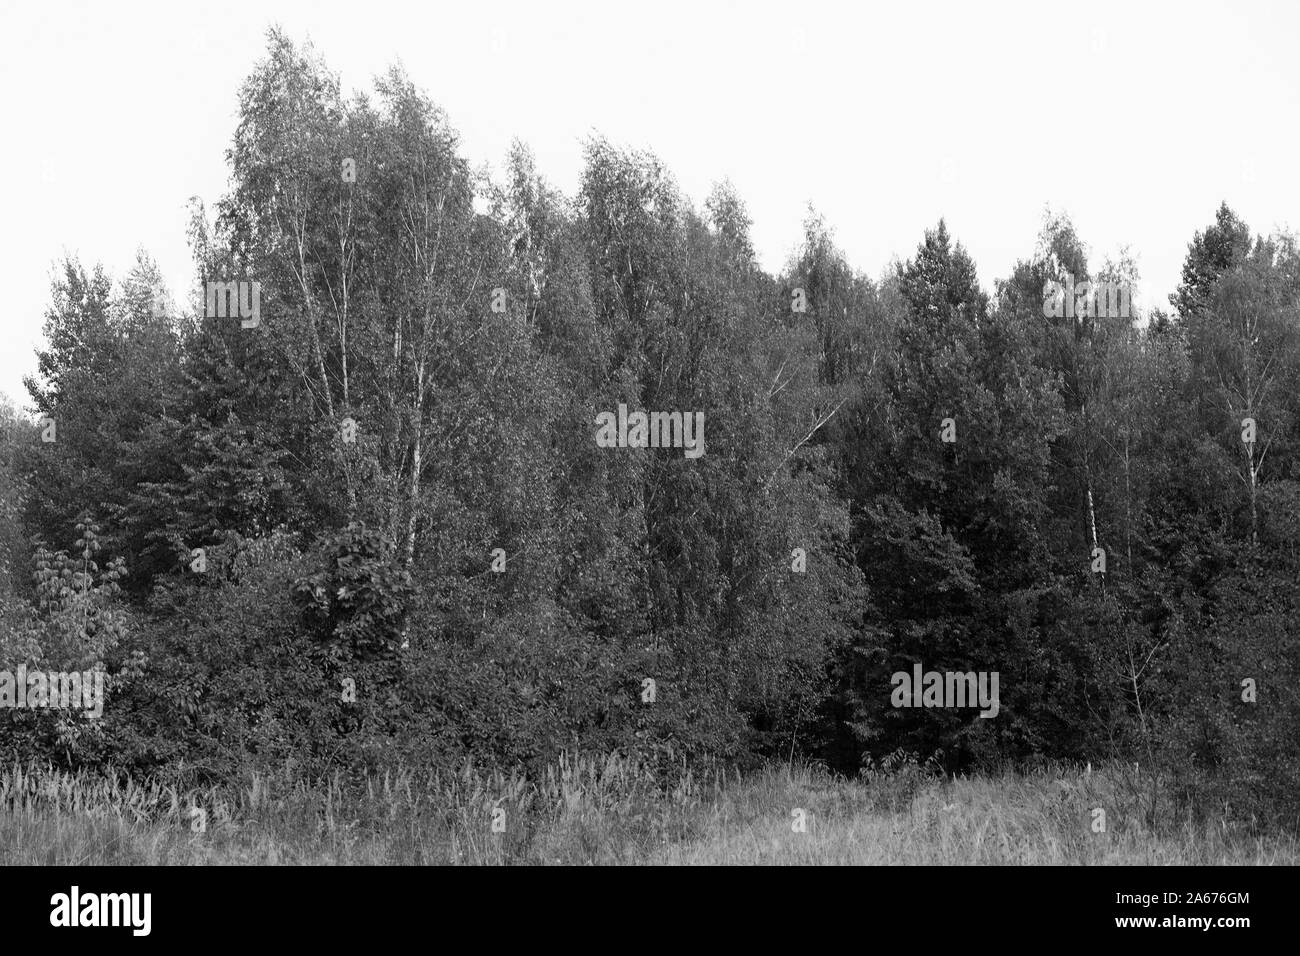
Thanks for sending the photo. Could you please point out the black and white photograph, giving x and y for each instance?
(696, 434)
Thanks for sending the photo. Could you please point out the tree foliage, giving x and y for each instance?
(375, 526)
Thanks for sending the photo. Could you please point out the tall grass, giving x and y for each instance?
(587, 810)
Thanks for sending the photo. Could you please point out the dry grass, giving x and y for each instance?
(612, 811)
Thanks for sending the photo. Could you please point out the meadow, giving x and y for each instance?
(584, 811)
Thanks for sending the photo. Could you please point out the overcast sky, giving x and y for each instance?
(1134, 118)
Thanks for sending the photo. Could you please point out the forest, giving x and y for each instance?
(404, 519)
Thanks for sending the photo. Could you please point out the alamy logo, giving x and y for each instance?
(64, 690)
(102, 909)
(683, 430)
(1099, 300)
(950, 689)
(228, 299)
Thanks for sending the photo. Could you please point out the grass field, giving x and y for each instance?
(586, 811)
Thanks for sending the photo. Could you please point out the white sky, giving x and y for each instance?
(1134, 118)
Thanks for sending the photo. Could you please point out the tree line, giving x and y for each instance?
(378, 527)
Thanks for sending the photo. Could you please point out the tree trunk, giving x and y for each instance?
(417, 460)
